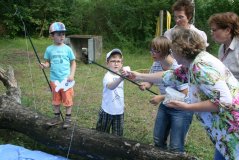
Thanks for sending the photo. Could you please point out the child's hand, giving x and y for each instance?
(125, 71)
(157, 99)
(70, 78)
(133, 75)
(43, 65)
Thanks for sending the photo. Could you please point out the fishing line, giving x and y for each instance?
(121, 76)
(30, 67)
(17, 13)
(77, 113)
(27, 50)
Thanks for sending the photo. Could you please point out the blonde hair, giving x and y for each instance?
(187, 43)
(161, 44)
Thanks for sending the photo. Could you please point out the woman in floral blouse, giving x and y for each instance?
(214, 91)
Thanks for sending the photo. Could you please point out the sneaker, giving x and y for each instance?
(54, 121)
(67, 123)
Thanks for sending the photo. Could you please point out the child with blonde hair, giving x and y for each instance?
(169, 121)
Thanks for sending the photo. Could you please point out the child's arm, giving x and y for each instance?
(46, 64)
(73, 69)
(114, 84)
(157, 99)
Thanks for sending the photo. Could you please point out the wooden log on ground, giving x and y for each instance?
(74, 140)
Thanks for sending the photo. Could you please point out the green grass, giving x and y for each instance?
(139, 113)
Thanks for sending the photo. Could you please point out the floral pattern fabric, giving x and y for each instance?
(210, 80)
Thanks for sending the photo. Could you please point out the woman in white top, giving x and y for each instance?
(225, 31)
(183, 15)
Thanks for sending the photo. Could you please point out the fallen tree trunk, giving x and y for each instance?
(86, 142)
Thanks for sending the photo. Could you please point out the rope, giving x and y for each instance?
(31, 76)
(27, 35)
(29, 64)
(17, 13)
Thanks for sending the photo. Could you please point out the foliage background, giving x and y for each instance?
(117, 21)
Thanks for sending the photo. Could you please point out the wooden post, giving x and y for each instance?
(161, 22)
(193, 18)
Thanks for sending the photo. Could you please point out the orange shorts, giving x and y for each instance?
(64, 97)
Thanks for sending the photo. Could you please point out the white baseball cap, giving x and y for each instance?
(116, 50)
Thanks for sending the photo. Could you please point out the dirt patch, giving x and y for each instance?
(23, 53)
(16, 55)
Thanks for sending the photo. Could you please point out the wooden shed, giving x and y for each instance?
(87, 48)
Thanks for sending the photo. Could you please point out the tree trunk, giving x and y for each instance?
(85, 142)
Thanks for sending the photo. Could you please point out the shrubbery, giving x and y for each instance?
(117, 21)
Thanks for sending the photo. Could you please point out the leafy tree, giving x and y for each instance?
(117, 21)
(36, 15)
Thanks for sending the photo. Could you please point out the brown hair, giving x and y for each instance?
(187, 43)
(186, 6)
(226, 20)
(161, 44)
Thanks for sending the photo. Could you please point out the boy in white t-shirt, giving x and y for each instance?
(111, 114)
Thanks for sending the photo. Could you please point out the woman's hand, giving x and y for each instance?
(157, 99)
(132, 75)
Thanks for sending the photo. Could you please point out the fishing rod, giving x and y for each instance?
(39, 61)
(36, 54)
(34, 49)
(121, 76)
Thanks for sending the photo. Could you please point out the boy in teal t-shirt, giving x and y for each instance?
(61, 61)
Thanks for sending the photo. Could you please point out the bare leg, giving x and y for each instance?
(57, 109)
(56, 119)
(68, 110)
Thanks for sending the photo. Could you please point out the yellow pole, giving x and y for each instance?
(161, 22)
(157, 27)
(168, 20)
